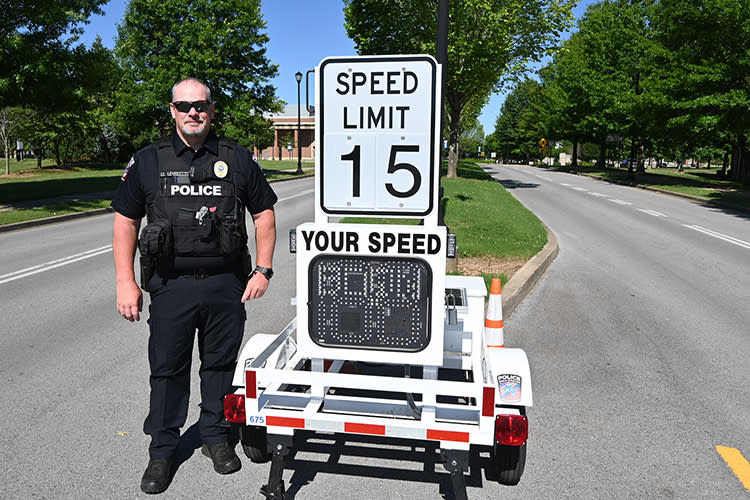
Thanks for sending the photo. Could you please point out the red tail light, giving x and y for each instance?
(234, 408)
(511, 430)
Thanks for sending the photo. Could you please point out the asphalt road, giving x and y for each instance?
(637, 337)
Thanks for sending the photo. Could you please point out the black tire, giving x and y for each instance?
(254, 441)
(509, 462)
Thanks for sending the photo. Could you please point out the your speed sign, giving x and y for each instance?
(377, 126)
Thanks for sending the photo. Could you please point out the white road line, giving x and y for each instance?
(543, 177)
(29, 271)
(598, 195)
(302, 193)
(578, 188)
(620, 202)
(709, 232)
(651, 212)
(566, 185)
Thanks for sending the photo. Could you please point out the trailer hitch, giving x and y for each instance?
(456, 462)
(279, 447)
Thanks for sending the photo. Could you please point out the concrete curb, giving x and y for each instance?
(51, 220)
(524, 280)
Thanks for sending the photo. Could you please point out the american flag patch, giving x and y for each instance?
(127, 169)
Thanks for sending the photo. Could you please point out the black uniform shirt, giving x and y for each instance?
(140, 181)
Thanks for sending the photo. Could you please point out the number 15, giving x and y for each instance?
(354, 157)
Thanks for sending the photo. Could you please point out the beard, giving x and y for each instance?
(191, 131)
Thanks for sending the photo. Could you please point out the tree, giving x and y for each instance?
(10, 120)
(221, 43)
(518, 127)
(488, 42)
(702, 69)
(31, 35)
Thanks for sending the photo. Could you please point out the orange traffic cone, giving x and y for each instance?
(493, 323)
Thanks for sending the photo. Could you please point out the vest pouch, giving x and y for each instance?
(156, 239)
(232, 237)
(194, 236)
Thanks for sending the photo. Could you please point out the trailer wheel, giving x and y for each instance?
(254, 442)
(509, 462)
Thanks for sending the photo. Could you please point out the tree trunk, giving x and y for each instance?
(743, 167)
(574, 158)
(453, 142)
(631, 160)
(603, 153)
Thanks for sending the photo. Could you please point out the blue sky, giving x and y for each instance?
(301, 32)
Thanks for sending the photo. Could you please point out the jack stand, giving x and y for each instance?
(456, 462)
(279, 446)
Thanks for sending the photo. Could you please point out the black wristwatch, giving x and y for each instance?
(265, 271)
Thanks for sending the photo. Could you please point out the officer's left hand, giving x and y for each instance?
(256, 287)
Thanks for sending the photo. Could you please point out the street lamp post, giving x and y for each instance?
(298, 77)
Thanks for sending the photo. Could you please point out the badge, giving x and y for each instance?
(510, 387)
(221, 169)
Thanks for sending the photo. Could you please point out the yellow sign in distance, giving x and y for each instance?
(543, 142)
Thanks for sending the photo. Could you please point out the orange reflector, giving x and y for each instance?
(234, 408)
(298, 423)
(493, 323)
(251, 387)
(438, 435)
(378, 430)
(511, 430)
(488, 401)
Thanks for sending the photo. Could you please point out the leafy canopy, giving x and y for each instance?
(219, 42)
(488, 42)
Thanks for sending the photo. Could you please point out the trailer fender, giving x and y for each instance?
(511, 374)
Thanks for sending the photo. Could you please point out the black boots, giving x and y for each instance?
(157, 476)
(223, 456)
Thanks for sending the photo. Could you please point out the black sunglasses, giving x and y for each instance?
(185, 106)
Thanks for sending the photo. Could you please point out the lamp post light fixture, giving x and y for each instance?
(298, 77)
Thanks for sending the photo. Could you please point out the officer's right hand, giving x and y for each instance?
(129, 300)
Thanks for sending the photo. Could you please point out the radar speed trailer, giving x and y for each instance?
(384, 343)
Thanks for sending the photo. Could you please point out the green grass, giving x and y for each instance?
(42, 212)
(487, 220)
(27, 182)
(704, 183)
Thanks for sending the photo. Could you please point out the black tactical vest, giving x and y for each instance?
(200, 203)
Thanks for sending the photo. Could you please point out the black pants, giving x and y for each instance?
(180, 307)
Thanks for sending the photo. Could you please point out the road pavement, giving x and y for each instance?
(637, 338)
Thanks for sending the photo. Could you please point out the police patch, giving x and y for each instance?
(127, 169)
(509, 386)
(221, 169)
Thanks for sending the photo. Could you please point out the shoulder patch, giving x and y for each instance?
(127, 169)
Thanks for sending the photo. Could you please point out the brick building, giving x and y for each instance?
(285, 136)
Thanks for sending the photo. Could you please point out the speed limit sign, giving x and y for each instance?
(377, 135)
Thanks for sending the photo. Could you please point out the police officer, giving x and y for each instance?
(194, 189)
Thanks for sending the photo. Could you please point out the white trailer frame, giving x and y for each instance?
(447, 386)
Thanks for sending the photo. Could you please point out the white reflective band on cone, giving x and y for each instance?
(493, 323)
